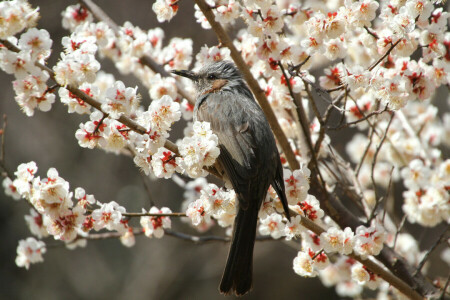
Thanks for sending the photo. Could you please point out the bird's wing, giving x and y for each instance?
(230, 121)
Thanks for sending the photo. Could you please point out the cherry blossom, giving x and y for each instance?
(29, 252)
(154, 226)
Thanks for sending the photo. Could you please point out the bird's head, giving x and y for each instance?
(213, 77)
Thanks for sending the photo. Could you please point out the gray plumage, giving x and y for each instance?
(248, 155)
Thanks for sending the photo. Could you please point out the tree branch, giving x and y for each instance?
(385, 55)
(91, 101)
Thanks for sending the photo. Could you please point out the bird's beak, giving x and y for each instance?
(185, 73)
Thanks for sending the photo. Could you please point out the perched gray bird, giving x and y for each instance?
(248, 156)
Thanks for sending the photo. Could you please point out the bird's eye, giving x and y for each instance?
(212, 76)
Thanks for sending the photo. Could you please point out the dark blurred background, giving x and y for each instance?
(153, 269)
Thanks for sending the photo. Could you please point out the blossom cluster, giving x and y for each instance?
(30, 85)
(214, 202)
(154, 226)
(383, 61)
(67, 216)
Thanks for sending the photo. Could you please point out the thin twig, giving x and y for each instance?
(146, 214)
(374, 161)
(371, 32)
(444, 290)
(386, 197)
(399, 228)
(2, 133)
(385, 54)
(338, 88)
(317, 254)
(6, 172)
(174, 214)
(304, 123)
(325, 118)
(293, 70)
(378, 112)
(442, 237)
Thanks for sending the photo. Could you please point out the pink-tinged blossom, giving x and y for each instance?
(154, 226)
(36, 224)
(293, 228)
(332, 77)
(76, 104)
(29, 252)
(364, 276)
(37, 41)
(228, 12)
(156, 36)
(65, 226)
(335, 49)
(177, 54)
(128, 239)
(163, 163)
(19, 64)
(211, 54)
(10, 189)
(416, 176)
(15, 16)
(162, 113)
(369, 240)
(120, 100)
(427, 207)
(272, 225)
(310, 240)
(52, 196)
(336, 240)
(75, 15)
(187, 110)
(348, 289)
(310, 208)
(91, 134)
(24, 178)
(162, 86)
(104, 35)
(320, 259)
(83, 199)
(199, 212)
(363, 12)
(150, 142)
(165, 10)
(303, 265)
(192, 190)
(108, 216)
(356, 77)
(297, 184)
(78, 43)
(116, 137)
(199, 150)
(200, 18)
(334, 25)
(76, 68)
(222, 204)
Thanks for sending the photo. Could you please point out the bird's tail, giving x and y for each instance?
(237, 276)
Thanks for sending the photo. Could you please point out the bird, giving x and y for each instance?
(248, 157)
